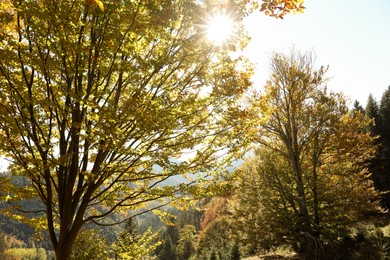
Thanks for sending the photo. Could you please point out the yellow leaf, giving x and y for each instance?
(100, 5)
(95, 3)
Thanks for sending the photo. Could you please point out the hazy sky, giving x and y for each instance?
(351, 36)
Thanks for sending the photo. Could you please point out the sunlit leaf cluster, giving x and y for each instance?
(278, 8)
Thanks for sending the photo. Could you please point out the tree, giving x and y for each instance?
(279, 9)
(169, 232)
(93, 101)
(372, 111)
(133, 246)
(357, 108)
(263, 204)
(235, 252)
(4, 245)
(213, 256)
(167, 250)
(215, 230)
(308, 179)
(41, 254)
(384, 114)
(379, 164)
(90, 244)
(186, 242)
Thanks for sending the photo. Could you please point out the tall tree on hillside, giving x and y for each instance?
(132, 245)
(186, 242)
(308, 180)
(96, 94)
(214, 235)
(384, 114)
(379, 164)
(357, 108)
(90, 244)
(372, 111)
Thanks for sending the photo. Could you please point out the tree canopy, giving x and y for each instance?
(379, 165)
(100, 108)
(104, 101)
(308, 180)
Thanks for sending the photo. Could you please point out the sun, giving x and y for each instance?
(220, 27)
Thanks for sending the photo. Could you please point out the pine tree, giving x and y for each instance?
(186, 243)
(384, 156)
(213, 256)
(235, 255)
(357, 107)
(376, 166)
(167, 249)
(372, 111)
(384, 113)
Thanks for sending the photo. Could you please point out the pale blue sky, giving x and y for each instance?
(351, 36)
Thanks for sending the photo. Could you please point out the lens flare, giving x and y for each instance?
(220, 28)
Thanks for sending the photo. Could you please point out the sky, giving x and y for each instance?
(351, 36)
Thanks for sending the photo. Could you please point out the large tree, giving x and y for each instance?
(384, 115)
(379, 164)
(372, 111)
(380, 128)
(308, 180)
(95, 98)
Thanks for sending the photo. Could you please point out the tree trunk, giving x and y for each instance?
(67, 236)
(63, 252)
(316, 205)
(303, 217)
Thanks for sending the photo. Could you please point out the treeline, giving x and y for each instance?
(13, 248)
(379, 166)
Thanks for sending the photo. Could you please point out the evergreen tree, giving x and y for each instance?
(384, 113)
(235, 255)
(186, 243)
(169, 235)
(133, 246)
(131, 230)
(380, 165)
(213, 256)
(357, 107)
(372, 111)
(215, 233)
(167, 251)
